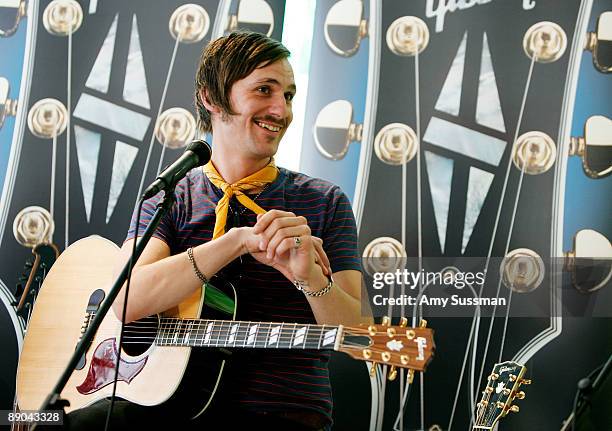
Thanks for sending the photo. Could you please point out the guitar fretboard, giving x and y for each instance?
(224, 333)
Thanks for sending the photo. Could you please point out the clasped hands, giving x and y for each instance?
(272, 241)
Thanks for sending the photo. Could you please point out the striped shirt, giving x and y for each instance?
(268, 380)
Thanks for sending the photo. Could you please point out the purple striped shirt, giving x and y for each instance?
(268, 380)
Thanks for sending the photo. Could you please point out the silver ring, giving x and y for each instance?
(297, 241)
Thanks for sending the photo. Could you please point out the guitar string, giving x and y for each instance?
(471, 339)
(151, 323)
(68, 135)
(497, 218)
(53, 168)
(286, 333)
(161, 156)
(159, 110)
(419, 215)
(403, 387)
(516, 201)
(167, 335)
(489, 414)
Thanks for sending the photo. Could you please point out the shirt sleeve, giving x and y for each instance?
(166, 228)
(340, 234)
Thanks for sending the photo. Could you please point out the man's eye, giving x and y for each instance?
(264, 90)
(289, 96)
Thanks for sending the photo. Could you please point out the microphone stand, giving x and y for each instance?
(53, 400)
(586, 388)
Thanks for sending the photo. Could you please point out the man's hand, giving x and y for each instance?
(272, 241)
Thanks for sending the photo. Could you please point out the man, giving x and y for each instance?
(287, 229)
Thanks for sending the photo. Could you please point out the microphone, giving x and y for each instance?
(197, 154)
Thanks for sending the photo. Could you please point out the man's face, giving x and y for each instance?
(262, 103)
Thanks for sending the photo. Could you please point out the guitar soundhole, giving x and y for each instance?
(140, 335)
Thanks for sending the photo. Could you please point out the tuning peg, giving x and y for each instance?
(494, 376)
(253, 12)
(392, 373)
(525, 381)
(373, 366)
(13, 12)
(600, 40)
(345, 27)
(520, 395)
(386, 321)
(423, 323)
(410, 376)
(334, 130)
(594, 148)
(589, 261)
(8, 107)
(514, 409)
(367, 353)
(512, 377)
(403, 322)
(372, 330)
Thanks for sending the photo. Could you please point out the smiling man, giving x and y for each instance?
(288, 241)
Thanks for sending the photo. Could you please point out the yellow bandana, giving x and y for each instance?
(255, 181)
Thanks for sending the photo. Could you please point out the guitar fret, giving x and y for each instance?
(209, 328)
(292, 335)
(252, 333)
(312, 337)
(175, 332)
(232, 334)
(159, 338)
(264, 329)
(299, 336)
(202, 325)
(223, 333)
(218, 332)
(274, 335)
(188, 329)
(244, 333)
(330, 337)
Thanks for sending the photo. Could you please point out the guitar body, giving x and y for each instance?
(150, 374)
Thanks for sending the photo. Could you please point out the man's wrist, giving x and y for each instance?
(237, 236)
(316, 285)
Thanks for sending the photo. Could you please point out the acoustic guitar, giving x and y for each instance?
(157, 362)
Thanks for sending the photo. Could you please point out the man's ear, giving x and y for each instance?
(203, 95)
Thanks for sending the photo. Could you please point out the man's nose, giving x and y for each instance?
(280, 108)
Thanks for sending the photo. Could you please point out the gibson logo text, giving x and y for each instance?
(445, 6)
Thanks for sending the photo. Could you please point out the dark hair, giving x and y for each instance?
(227, 60)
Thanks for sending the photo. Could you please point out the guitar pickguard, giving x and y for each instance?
(102, 368)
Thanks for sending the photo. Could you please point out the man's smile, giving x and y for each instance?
(268, 126)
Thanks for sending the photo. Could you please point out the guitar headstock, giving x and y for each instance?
(503, 387)
(398, 346)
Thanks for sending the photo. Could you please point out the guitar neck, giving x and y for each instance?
(269, 335)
